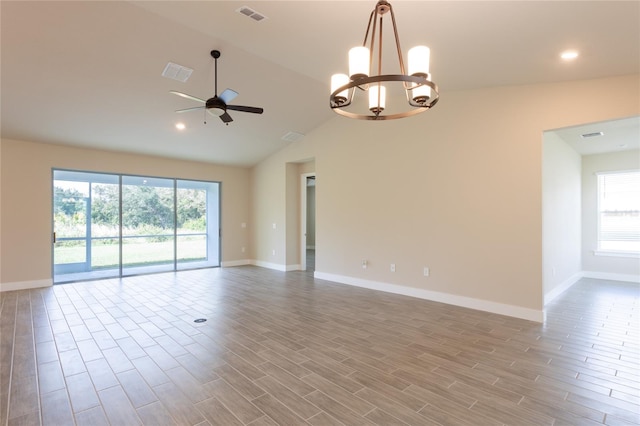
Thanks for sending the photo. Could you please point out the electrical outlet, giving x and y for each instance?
(393, 267)
(426, 271)
(273, 252)
(365, 263)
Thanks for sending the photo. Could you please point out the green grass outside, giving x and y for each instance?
(133, 254)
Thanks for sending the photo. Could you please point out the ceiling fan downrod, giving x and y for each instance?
(215, 54)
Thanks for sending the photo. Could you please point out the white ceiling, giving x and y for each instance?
(87, 73)
(616, 135)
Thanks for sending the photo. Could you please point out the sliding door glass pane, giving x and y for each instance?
(148, 225)
(105, 224)
(86, 223)
(198, 224)
(70, 223)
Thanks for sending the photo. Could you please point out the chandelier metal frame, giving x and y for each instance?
(419, 105)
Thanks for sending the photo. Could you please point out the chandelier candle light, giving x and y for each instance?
(421, 92)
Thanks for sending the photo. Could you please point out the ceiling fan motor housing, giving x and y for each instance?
(216, 106)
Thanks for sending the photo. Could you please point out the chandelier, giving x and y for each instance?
(421, 92)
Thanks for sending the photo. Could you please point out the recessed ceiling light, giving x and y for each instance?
(569, 55)
(180, 126)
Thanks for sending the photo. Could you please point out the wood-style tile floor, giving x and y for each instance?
(283, 348)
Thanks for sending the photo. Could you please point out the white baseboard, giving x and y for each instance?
(277, 266)
(466, 302)
(241, 262)
(269, 265)
(25, 285)
(297, 267)
(612, 276)
(562, 287)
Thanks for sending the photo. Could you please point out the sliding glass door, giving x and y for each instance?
(104, 218)
(85, 225)
(71, 227)
(198, 218)
(109, 225)
(148, 225)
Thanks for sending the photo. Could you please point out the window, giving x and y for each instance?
(619, 213)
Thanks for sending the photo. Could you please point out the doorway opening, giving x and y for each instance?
(580, 239)
(308, 222)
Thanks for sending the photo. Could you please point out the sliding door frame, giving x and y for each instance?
(212, 218)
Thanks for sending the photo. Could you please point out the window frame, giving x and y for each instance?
(599, 251)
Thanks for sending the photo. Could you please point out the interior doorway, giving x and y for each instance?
(573, 234)
(308, 222)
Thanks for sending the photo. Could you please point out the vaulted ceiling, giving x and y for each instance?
(88, 73)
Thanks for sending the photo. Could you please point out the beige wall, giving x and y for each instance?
(292, 219)
(605, 266)
(275, 188)
(268, 208)
(26, 224)
(457, 189)
(561, 217)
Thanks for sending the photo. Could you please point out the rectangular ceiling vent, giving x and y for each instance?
(591, 135)
(247, 11)
(292, 137)
(177, 72)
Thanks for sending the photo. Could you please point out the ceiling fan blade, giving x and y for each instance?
(189, 109)
(184, 95)
(226, 118)
(254, 110)
(228, 95)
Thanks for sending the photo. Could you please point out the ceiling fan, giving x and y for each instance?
(218, 105)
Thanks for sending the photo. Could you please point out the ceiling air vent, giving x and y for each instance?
(591, 135)
(177, 72)
(247, 11)
(292, 137)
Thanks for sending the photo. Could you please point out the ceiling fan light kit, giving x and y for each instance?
(421, 92)
(218, 105)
